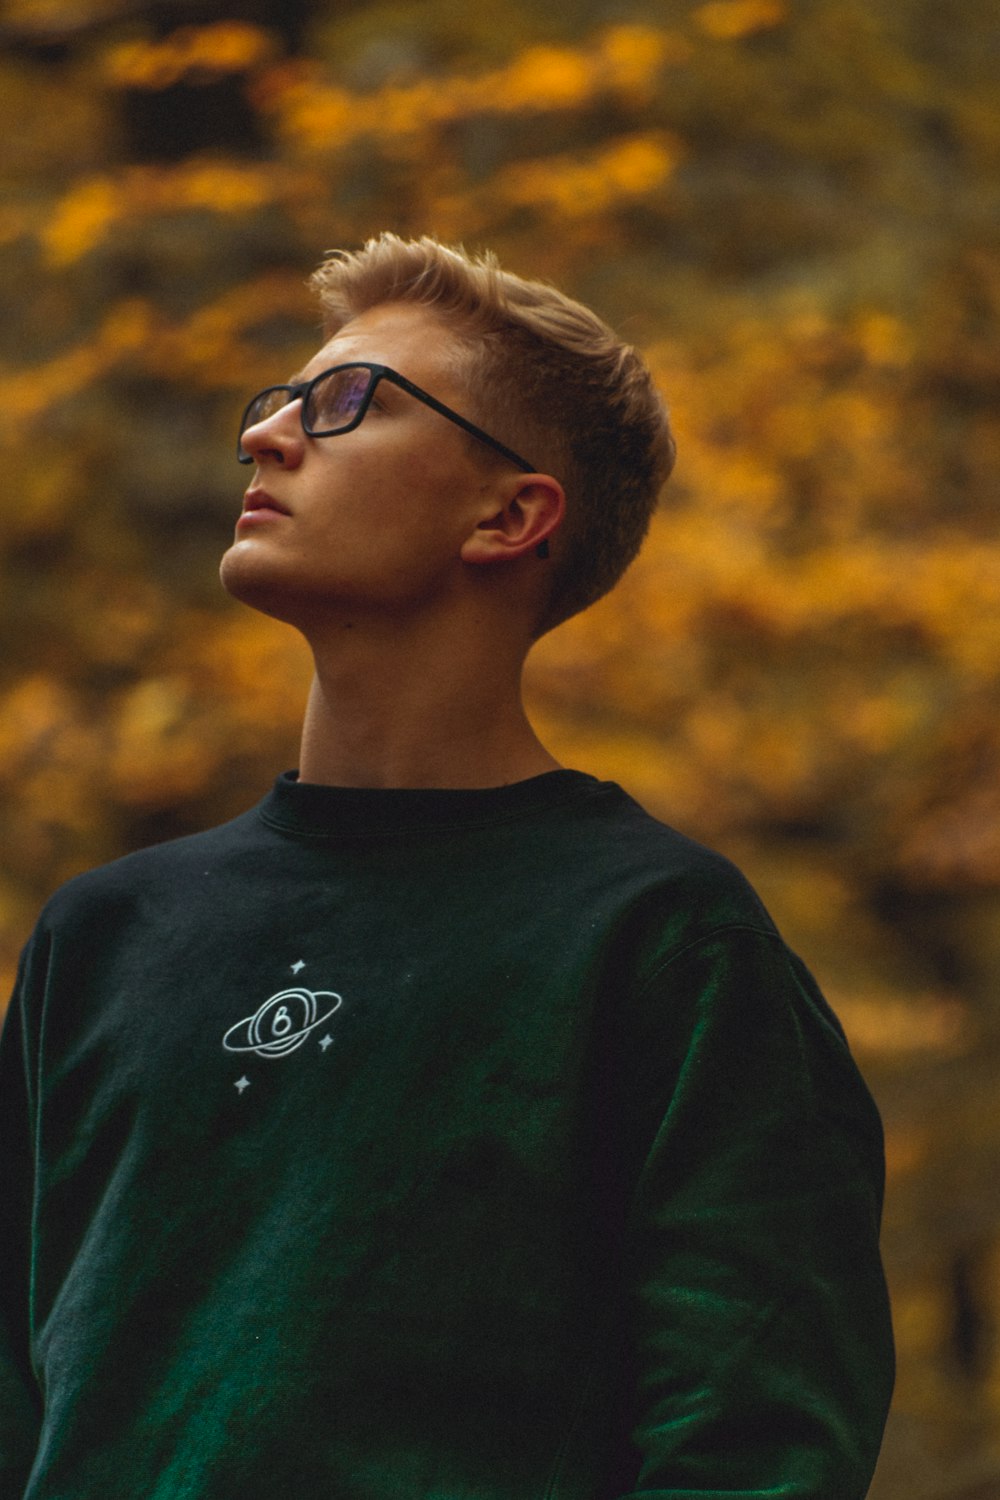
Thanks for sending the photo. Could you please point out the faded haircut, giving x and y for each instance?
(546, 376)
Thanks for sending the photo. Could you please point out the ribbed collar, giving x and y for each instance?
(321, 812)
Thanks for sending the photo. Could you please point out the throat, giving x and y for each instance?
(415, 730)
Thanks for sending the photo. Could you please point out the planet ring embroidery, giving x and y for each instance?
(282, 1023)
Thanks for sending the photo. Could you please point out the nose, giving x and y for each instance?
(278, 438)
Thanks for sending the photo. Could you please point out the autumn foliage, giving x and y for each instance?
(792, 208)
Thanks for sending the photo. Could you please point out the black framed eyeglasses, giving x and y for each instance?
(336, 400)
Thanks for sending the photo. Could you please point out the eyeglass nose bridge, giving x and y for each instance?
(250, 419)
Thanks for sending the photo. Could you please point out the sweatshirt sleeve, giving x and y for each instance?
(19, 1396)
(759, 1316)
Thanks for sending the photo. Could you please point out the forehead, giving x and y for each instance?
(414, 341)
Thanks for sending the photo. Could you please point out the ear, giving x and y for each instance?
(533, 508)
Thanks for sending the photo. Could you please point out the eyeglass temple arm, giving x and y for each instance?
(463, 422)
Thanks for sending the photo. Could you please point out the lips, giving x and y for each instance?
(259, 500)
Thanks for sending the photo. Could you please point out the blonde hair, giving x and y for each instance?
(548, 378)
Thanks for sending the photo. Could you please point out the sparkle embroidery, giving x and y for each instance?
(282, 1023)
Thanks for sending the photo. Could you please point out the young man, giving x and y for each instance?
(444, 1128)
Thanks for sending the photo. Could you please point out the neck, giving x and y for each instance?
(391, 706)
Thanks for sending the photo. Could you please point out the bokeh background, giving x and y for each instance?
(792, 205)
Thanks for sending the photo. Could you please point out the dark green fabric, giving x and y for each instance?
(551, 1178)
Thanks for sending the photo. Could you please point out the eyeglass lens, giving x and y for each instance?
(334, 401)
(331, 405)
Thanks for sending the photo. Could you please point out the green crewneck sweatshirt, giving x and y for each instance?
(433, 1145)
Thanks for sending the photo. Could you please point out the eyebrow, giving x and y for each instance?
(301, 378)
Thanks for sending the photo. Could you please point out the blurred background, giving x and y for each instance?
(792, 206)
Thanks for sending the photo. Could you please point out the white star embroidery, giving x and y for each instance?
(297, 967)
(241, 1084)
(326, 1041)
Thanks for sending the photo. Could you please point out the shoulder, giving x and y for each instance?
(138, 876)
(667, 876)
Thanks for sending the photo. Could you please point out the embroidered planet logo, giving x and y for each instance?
(282, 1023)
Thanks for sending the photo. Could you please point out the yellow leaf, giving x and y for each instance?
(225, 47)
(575, 186)
(556, 75)
(80, 220)
(729, 20)
(224, 187)
(633, 55)
(885, 339)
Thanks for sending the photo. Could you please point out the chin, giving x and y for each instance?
(253, 581)
(261, 582)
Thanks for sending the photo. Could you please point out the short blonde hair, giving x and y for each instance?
(547, 377)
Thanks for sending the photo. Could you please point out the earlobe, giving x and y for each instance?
(532, 512)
